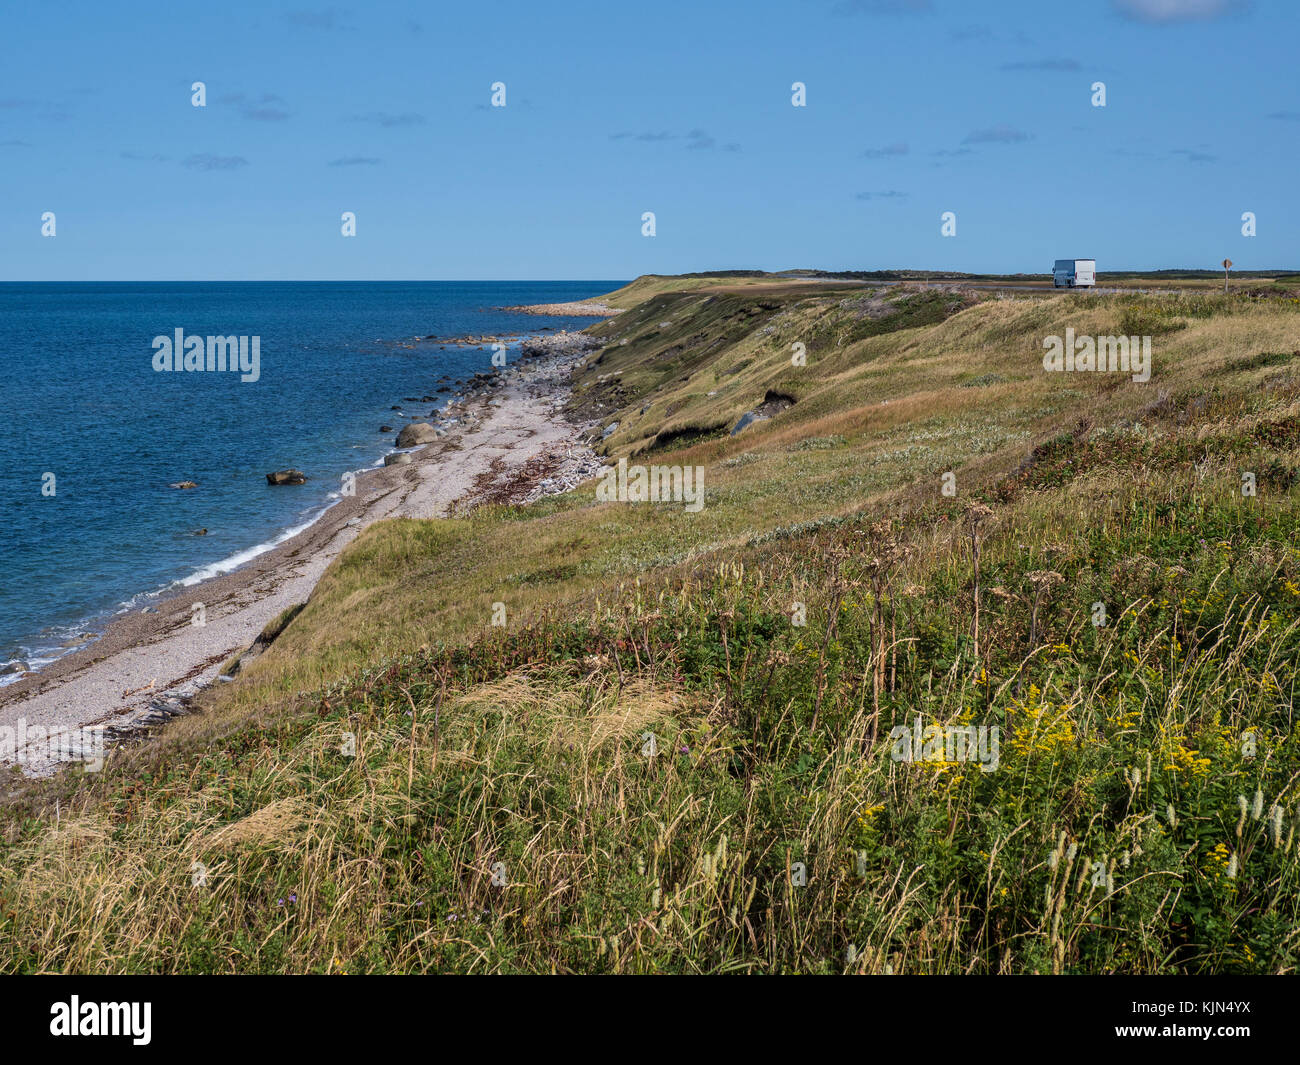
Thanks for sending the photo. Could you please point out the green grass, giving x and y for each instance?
(1258, 362)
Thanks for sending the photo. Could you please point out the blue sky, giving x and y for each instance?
(914, 108)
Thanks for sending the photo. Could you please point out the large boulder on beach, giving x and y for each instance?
(398, 458)
(416, 433)
(286, 477)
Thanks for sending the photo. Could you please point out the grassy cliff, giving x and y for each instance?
(676, 754)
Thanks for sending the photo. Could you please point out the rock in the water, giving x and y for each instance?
(416, 433)
(398, 458)
(183, 484)
(385, 428)
(286, 477)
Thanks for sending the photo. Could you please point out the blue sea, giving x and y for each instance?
(83, 402)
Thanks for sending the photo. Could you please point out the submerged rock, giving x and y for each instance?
(286, 477)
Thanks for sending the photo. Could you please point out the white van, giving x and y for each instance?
(1074, 273)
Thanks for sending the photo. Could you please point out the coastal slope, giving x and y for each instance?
(589, 734)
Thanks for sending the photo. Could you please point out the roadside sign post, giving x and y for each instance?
(1227, 265)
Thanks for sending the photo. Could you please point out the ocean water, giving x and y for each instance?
(83, 402)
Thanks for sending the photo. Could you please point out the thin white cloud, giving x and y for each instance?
(330, 18)
(882, 7)
(207, 161)
(1057, 65)
(389, 120)
(1161, 12)
(697, 139)
(262, 109)
(1001, 134)
(897, 148)
(1193, 155)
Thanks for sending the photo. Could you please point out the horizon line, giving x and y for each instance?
(939, 274)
